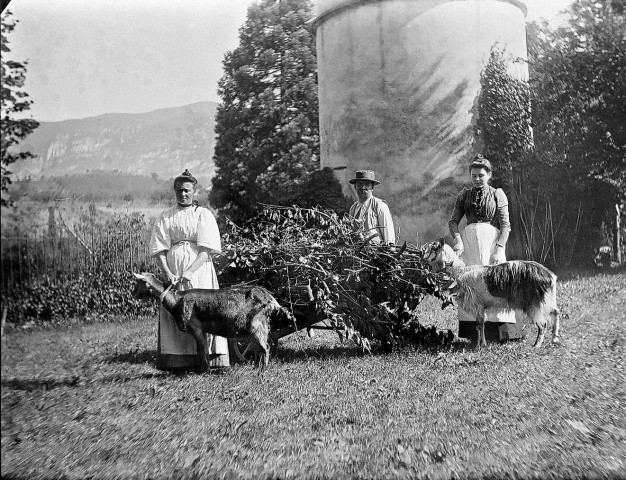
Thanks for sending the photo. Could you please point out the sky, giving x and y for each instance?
(89, 57)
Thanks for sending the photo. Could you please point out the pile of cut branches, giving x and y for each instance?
(324, 268)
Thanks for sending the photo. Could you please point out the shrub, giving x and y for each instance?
(82, 297)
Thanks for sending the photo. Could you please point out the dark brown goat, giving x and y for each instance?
(250, 312)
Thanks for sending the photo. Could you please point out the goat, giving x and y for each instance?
(518, 284)
(228, 312)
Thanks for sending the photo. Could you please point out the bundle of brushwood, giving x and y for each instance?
(324, 268)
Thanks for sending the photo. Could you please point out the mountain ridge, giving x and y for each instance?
(163, 141)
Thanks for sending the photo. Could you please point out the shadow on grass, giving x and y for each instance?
(33, 384)
(139, 357)
(133, 357)
(287, 354)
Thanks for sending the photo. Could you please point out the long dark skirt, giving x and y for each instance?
(494, 332)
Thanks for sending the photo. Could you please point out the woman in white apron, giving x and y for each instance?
(183, 240)
(483, 242)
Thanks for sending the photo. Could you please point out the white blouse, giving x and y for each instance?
(191, 224)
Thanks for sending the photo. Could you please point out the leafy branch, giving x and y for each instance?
(323, 267)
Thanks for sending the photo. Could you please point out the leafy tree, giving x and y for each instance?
(578, 85)
(267, 123)
(14, 100)
(504, 123)
(565, 175)
(323, 189)
(503, 131)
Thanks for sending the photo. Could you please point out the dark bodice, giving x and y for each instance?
(488, 205)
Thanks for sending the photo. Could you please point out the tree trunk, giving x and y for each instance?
(515, 244)
(515, 248)
(617, 236)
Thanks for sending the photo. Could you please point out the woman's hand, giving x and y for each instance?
(498, 256)
(169, 278)
(458, 245)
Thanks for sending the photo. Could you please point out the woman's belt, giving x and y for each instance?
(184, 242)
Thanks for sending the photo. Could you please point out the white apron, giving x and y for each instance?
(479, 242)
(173, 341)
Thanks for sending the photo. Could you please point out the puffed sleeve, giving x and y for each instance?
(160, 238)
(503, 217)
(457, 213)
(385, 224)
(208, 235)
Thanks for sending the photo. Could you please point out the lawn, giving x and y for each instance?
(84, 401)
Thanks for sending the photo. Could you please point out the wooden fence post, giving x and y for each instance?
(617, 237)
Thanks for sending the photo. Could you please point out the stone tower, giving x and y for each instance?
(398, 84)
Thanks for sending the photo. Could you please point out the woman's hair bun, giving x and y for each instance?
(186, 176)
(480, 162)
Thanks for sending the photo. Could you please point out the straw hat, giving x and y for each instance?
(367, 175)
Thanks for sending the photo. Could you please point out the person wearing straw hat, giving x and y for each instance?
(183, 241)
(370, 210)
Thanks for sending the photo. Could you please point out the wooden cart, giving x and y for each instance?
(240, 349)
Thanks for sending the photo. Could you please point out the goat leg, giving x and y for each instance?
(554, 314)
(541, 328)
(480, 326)
(556, 325)
(260, 331)
(201, 346)
(539, 319)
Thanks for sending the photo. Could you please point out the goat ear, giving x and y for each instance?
(442, 242)
(139, 276)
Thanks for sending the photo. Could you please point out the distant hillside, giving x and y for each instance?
(164, 142)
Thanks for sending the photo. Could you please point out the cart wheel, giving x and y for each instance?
(241, 351)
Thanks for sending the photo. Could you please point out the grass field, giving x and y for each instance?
(84, 401)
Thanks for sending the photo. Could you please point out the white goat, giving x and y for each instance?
(519, 284)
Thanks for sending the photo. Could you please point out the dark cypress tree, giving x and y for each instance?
(267, 123)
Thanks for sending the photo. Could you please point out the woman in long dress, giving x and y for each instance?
(483, 242)
(183, 240)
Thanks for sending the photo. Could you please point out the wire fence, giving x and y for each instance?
(62, 255)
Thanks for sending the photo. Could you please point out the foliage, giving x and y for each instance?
(323, 267)
(13, 101)
(99, 294)
(503, 129)
(82, 275)
(321, 189)
(565, 180)
(577, 173)
(503, 126)
(579, 96)
(267, 129)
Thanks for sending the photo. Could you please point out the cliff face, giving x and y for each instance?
(164, 142)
